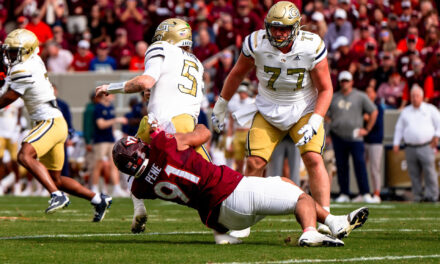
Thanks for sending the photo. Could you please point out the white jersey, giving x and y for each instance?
(30, 79)
(9, 115)
(179, 84)
(284, 78)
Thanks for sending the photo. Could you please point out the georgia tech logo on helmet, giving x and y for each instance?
(293, 12)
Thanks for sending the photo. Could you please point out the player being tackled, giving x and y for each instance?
(169, 169)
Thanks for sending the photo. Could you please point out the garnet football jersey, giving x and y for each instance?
(185, 177)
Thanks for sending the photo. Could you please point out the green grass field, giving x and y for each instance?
(394, 233)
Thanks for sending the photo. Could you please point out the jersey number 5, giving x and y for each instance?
(276, 73)
(185, 73)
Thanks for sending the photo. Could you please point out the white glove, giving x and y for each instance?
(310, 129)
(218, 114)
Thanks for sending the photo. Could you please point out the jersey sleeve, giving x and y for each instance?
(250, 44)
(20, 79)
(319, 50)
(154, 58)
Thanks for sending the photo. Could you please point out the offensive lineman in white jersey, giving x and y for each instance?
(294, 93)
(173, 82)
(42, 151)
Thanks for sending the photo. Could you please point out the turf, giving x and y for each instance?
(394, 233)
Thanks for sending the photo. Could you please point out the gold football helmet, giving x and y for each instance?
(174, 31)
(283, 14)
(19, 45)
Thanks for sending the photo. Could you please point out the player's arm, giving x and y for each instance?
(243, 66)
(200, 135)
(321, 80)
(8, 97)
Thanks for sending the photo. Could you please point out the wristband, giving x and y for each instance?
(114, 88)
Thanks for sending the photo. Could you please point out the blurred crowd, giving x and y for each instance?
(387, 46)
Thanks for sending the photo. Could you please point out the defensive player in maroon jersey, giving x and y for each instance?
(170, 169)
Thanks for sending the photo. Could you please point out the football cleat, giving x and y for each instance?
(342, 225)
(241, 233)
(57, 202)
(225, 239)
(139, 217)
(323, 229)
(101, 208)
(316, 239)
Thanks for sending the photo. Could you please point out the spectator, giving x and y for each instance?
(359, 45)
(133, 117)
(77, 20)
(131, 15)
(416, 76)
(124, 61)
(406, 11)
(120, 45)
(384, 70)
(59, 59)
(39, 28)
(102, 62)
(226, 31)
(374, 147)
(245, 20)
(386, 41)
(22, 22)
(419, 127)
(137, 60)
(341, 27)
(219, 9)
(103, 140)
(26, 7)
(433, 69)
(432, 42)
(365, 66)
(224, 61)
(390, 92)
(404, 60)
(347, 131)
(60, 37)
(395, 27)
(82, 58)
(88, 132)
(54, 11)
(96, 26)
(411, 37)
(206, 48)
(318, 25)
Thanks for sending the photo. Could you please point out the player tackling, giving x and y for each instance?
(169, 169)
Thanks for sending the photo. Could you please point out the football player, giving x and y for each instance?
(173, 82)
(42, 151)
(294, 93)
(170, 169)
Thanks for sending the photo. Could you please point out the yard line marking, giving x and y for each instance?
(341, 260)
(372, 219)
(193, 233)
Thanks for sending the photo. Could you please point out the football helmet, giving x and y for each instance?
(19, 46)
(130, 155)
(174, 31)
(283, 14)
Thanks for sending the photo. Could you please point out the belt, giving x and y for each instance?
(418, 145)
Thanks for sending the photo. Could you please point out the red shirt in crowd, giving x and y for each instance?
(41, 30)
(137, 63)
(80, 63)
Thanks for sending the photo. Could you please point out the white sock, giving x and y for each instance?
(329, 219)
(96, 199)
(58, 193)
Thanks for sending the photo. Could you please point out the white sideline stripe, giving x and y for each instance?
(381, 219)
(192, 233)
(341, 260)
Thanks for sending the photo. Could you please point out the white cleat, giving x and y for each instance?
(342, 225)
(316, 239)
(240, 233)
(323, 229)
(225, 239)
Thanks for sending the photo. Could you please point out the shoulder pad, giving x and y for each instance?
(156, 50)
(18, 72)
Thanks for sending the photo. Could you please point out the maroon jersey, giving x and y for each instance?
(186, 178)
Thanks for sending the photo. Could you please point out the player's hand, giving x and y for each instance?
(310, 129)
(218, 114)
(101, 90)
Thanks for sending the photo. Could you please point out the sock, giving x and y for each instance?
(310, 228)
(329, 219)
(96, 199)
(57, 193)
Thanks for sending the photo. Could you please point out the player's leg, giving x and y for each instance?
(261, 142)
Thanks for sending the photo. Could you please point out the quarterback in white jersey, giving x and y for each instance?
(295, 92)
(42, 150)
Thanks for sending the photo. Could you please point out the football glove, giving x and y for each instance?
(310, 129)
(218, 114)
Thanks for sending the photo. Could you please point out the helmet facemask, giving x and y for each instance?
(294, 30)
(12, 55)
